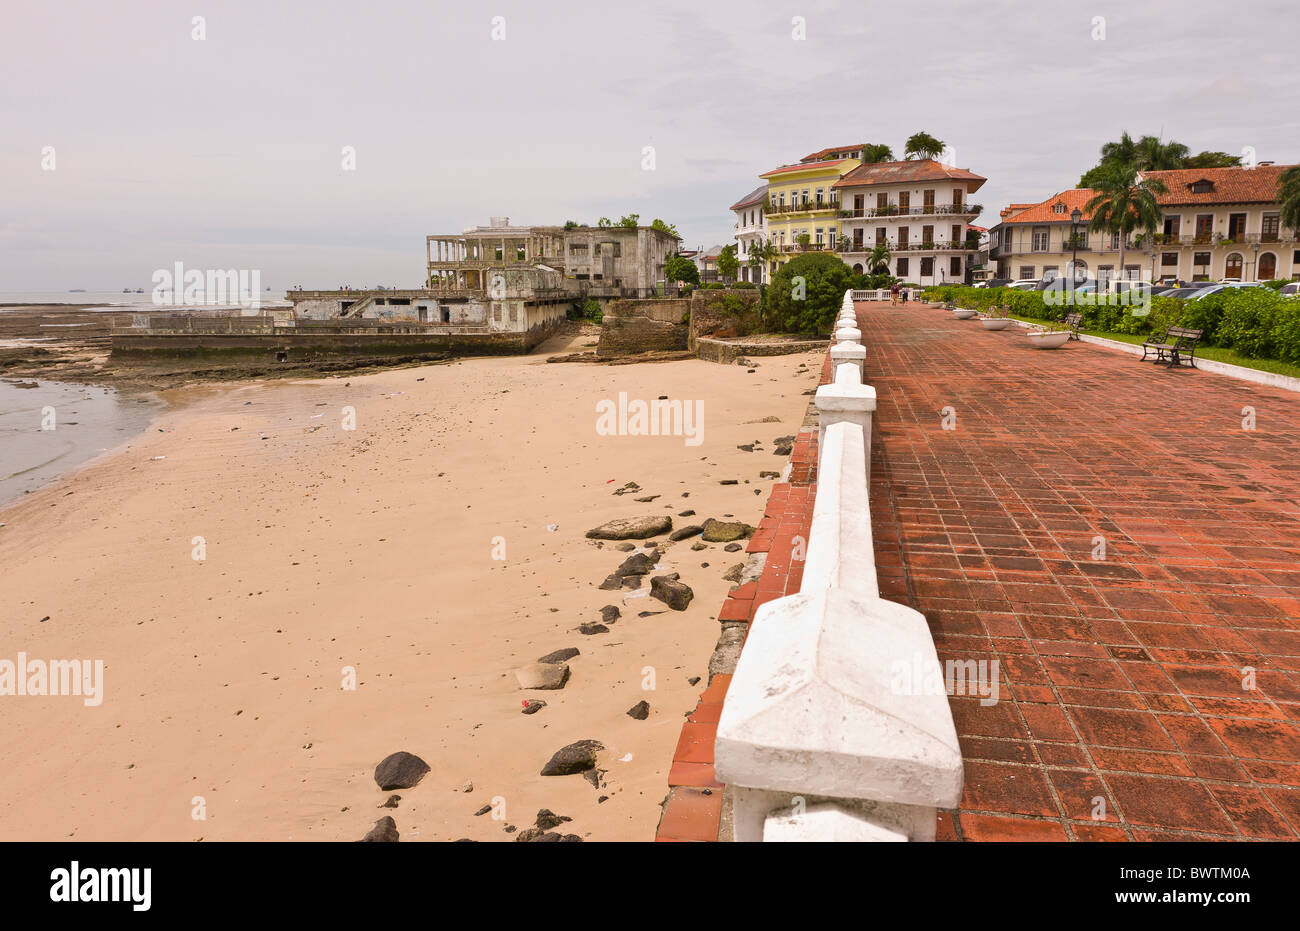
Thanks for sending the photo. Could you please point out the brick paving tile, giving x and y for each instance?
(1123, 674)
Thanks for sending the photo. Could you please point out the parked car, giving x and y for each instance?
(1184, 293)
(1025, 284)
(997, 282)
(1292, 288)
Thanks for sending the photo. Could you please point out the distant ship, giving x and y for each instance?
(76, 290)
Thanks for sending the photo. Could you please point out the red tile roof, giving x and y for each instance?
(753, 197)
(919, 169)
(808, 167)
(822, 153)
(1043, 212)
(1231, 185)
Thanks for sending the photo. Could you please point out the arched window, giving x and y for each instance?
(1267, 266)
(1232, 269)
(857, 269)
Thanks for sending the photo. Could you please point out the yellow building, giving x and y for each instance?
(801, 200)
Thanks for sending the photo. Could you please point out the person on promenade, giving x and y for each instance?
(893, 293)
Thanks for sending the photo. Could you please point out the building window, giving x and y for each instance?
(1026, 272)
(1058, 207)
(1204, 227)
(830, 238)
(956, 197)
(1200, 266)
(902, 267)
(1232, 268)
(904, 201)
(1114, 241)
(1039, 241)
(954, 266)
(514, 314)
(902, 237)
(1201, 187)
(1267, 267)
(496, 313)
(927, 267)
(821, 195)
(882, 201)
(956, 234)
(821, 234)
(1173, 225)
(1270, 228)
(1169, 260)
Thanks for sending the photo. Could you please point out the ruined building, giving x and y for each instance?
(503, 279)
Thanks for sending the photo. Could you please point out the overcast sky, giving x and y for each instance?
(227, 152)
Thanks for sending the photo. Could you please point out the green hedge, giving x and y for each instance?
(1255, 322)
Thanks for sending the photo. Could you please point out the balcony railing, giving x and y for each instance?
(803, 207)
(895, 211)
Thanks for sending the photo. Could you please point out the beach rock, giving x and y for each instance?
(625, 547)
(610, 613)
(400, 770)
(577, 757)
(640, 711)
(699, 546)
(682, 533)
(676, 594)
(559, 656)
(769, 474)
(734, 573)
(384, 832)
(693, 680)
(748, 447)
(590, 629)
(719, 531)
(647, 499)
(729, 481)
(594, 776)
(483, 811)
(783, 441)
(629, 488)
(687, 513)
(783, 450)
(547, 819)
(392, 801)
(631, 528)
(533, 705)
(733, 548)
(542, 675)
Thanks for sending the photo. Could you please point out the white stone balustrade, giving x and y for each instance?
(829, 730)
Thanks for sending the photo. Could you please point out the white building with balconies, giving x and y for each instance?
(750, 230)
(919, 210)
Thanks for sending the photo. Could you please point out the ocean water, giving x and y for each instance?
(114, 300)
(87, 421)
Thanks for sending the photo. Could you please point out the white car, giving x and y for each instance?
(1025, 284)
(1291, 289)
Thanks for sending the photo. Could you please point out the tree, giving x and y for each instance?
(923, 145)
(1212, 160)
(1124, 201)
(806, 293)
(670, 229)
(1151, 153)
(1288, 195)
(804, 240)
(679, 268)
(878, 152)
(878, 259)
(571, 224)
(604, 223)
(630, 221)
(728, 264)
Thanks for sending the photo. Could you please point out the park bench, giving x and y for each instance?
(1072, 322)
(1177, 343)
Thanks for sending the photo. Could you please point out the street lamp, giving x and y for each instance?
(1075, 216)
(1254, 266)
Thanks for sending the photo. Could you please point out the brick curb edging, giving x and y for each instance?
(693, 808)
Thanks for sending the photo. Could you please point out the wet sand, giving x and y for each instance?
(372, 549)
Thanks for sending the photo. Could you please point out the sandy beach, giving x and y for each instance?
(373, 548)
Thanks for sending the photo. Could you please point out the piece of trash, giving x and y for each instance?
(314, 416)
(156, 458)
(625, 758)
(552, 527)
(608, 480)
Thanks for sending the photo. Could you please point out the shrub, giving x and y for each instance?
(1249, 317)
(825, 279)
(591, 310)
(713, 286)
(744, 286)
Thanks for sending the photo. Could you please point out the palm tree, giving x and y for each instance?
(1288, 195)
(1124, 201)
(1125, 150)
(878, 259)
(923, 145)
(1154, 155)
(878, 152)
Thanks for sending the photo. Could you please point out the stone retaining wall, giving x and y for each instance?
(649, 325)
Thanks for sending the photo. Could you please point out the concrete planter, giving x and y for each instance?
(964, 313)
(996, 323)
(1046, 339)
